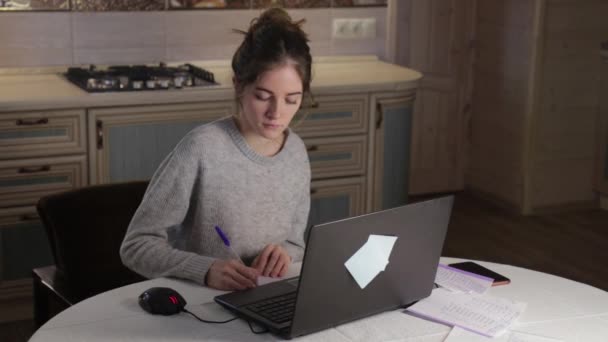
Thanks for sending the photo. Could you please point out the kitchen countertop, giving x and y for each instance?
(46, 88)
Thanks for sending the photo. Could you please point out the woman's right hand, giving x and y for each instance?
(230, 275)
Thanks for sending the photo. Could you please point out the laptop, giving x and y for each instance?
(326, 294)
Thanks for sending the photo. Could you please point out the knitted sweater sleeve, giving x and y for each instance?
(295, 244)
(145, 248)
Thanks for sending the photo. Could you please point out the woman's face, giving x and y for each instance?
(269, 104)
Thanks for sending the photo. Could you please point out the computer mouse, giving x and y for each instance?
(161, 301)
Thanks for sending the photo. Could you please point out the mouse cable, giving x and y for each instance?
(206, 321)
(226, 321)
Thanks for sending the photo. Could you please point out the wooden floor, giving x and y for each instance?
(571, 245)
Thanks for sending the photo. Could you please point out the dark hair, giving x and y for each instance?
(271, 40)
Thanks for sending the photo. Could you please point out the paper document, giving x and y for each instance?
(262, 280)
(370, 259)
(483, 314)
(460, 335)
(457, 280)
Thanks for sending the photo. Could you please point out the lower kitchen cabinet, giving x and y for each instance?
(336, 199)
(129, 143)
(23, 244)
(393, 132)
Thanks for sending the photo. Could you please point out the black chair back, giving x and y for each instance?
(86, 227)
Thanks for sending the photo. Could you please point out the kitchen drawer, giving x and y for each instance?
(23, 182)
(336, 199)
(42, 133)
(23, 244)
(333, 115)
(337, 157)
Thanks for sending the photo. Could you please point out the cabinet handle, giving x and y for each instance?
(313, 191)
(43, 168)
(99, 132)
(380, 114)
(312, 148)
(23, 122)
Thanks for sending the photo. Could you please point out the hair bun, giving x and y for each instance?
(274, 15)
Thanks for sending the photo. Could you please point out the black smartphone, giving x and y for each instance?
(472, 267)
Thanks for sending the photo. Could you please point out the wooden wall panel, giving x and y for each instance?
(504, 42)
(563, 138)
(440, 36)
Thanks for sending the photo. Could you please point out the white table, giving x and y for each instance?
(557, 307)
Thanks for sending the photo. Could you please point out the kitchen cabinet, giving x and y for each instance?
(41, 152)
(356, 128)
(336, 199)
(393, 130)
(363, 136)
(129, 143)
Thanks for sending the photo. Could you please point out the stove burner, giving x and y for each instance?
(139, 77)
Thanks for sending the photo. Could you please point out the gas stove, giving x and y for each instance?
(139, 77)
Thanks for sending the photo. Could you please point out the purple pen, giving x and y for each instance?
(226, 241)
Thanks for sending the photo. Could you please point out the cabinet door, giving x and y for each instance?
(23, 244)
(336, 199)
(41, 133)
(393, 134)
(129, 143)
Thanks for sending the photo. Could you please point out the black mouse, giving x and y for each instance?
(162, 301)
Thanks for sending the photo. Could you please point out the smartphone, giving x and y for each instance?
(472, 267)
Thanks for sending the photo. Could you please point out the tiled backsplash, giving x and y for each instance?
(159, 5)
(31, 39)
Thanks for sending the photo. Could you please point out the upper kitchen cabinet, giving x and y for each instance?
(535, 103)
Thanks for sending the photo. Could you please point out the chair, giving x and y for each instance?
(85, 227)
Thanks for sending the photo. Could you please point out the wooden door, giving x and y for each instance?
(440, 35)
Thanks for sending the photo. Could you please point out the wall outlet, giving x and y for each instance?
(354, 28)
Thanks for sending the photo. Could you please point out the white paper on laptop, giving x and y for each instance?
(484, 314)
(370, 259)
(292, 271)
(457, 280)
(461, 335)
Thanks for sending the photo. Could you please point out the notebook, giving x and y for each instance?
(326, 293)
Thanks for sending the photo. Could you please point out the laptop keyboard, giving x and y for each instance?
(278, 309)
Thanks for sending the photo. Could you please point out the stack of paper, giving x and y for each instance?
(370, 259)
(457, 280)
(483, 314)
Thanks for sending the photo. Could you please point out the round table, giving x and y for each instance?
(558, 308)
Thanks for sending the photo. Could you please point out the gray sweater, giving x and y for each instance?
(213, 178)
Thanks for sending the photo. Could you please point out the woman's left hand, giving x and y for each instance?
(272, 262)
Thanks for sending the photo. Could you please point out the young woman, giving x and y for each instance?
(249, 175)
